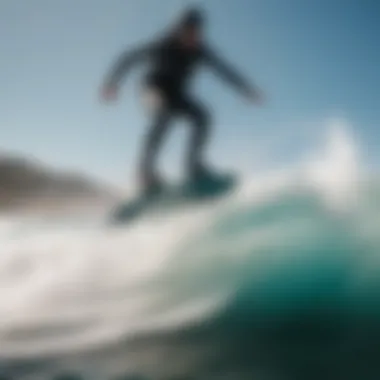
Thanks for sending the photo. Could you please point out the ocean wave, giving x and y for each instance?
(258, 285)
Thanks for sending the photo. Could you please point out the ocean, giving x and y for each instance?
(280, 280)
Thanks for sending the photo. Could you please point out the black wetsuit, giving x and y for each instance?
(171, 68)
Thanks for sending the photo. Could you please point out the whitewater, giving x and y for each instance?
(279, 280)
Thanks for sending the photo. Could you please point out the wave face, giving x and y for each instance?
(281, 280)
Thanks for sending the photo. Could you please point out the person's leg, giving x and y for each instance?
(151, 146)
(199, 119)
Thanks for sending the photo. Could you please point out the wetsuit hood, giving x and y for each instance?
(190, 18)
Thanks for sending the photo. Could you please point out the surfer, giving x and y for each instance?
(173, 59)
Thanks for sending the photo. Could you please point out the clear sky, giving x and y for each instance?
(314, 59)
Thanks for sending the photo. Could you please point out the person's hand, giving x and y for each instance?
(256, 97)
(109, 93)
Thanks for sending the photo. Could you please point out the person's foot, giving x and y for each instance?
(203, 173)
(151, 184)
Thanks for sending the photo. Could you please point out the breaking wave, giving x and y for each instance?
(276, 281)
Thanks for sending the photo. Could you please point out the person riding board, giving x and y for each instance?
(173, 59)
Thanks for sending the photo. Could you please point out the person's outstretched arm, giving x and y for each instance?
(123, 64)
(230, 75)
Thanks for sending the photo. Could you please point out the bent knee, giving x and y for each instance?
(202, 119)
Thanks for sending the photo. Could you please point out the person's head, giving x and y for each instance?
(190, 28)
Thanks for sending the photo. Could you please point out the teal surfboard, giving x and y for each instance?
(171, 197)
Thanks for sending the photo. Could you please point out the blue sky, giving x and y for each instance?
(314, 59)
